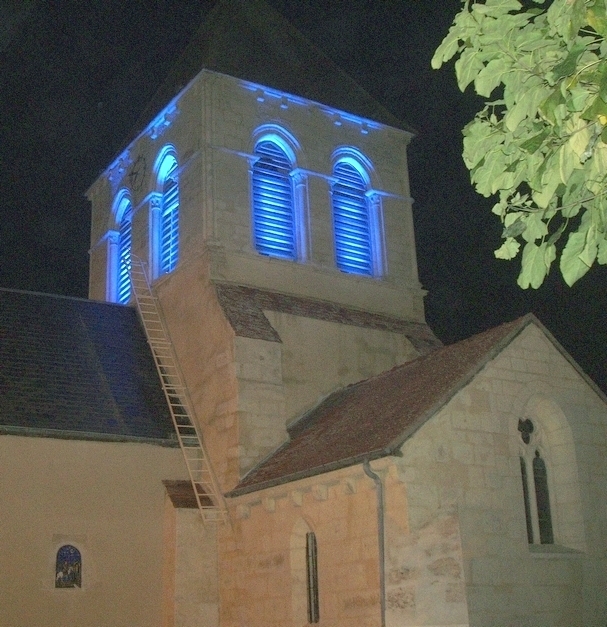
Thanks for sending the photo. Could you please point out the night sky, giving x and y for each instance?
(76, 74)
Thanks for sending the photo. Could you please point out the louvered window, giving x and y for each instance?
(169, 224)
(123, 293)
(351, 221)
(273, 210)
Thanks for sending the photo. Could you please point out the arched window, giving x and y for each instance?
(274, 225)
(68, 567)
(355, 218)
(166, 235)
(123, 294)
(119, 252)
(536, 495)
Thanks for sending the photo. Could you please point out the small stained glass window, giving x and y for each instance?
(68, 567)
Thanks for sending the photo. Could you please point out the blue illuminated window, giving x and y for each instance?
(274, 228)
(167, 225)
(123, 285)
(351, 220)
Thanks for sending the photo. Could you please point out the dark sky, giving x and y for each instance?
(75, 75)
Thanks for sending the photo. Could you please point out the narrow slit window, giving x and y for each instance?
(528, 518)
(540, 479)
(273, 202)
(312, 578)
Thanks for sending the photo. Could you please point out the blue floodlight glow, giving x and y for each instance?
(273, 209)
(351, 222)
(123, 290)
(169, 223)
(163, 120)
(165, 240)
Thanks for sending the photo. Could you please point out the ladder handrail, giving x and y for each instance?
(203, 479)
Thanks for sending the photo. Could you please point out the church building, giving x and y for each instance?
(249, 422)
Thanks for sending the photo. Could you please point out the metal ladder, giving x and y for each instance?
(206, 488)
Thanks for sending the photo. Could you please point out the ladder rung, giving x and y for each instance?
(201, 474)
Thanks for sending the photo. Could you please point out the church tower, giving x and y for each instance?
(270, 202)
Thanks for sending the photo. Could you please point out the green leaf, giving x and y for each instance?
(567, 162)
(488, 171)
(534, 266)
(527, 105)
(467, 67)
(490, 76)
(579, 135)
(448, 47)
(577, 252)
(532, 144)
(602, 252)
(597, 17)
(597, 107)
(479, 139)
(556, 236)
(549, 106)
(497, 8)
(550, 180)
(508, 250)
(568, 65)
(535, 227)
(515, 229)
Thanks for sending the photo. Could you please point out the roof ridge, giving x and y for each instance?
(199, 55)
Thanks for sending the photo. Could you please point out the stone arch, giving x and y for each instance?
(553, 440)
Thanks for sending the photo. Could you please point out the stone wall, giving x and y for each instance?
(106, 499)
(464, 463)
(262, 558)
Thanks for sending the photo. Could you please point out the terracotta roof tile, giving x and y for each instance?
(182, 494)
(373, 418)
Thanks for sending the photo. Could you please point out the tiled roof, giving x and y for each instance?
(244, 307)
(77, 368)
(250, 40)
(182, 494)
(373, 418)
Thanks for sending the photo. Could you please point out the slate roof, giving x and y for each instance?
(244, 307)
(250, 40)
(373, 418)
(77, 368)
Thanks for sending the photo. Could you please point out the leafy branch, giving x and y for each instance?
(541, 147)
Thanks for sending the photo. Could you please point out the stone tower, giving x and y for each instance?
(276, 228)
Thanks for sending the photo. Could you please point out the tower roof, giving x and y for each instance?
(250, 40)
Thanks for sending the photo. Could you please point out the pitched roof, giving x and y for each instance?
(373, 418)
(250, 40)
(244, 307)
(77, 368)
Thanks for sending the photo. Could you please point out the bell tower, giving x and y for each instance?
(277, 232)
